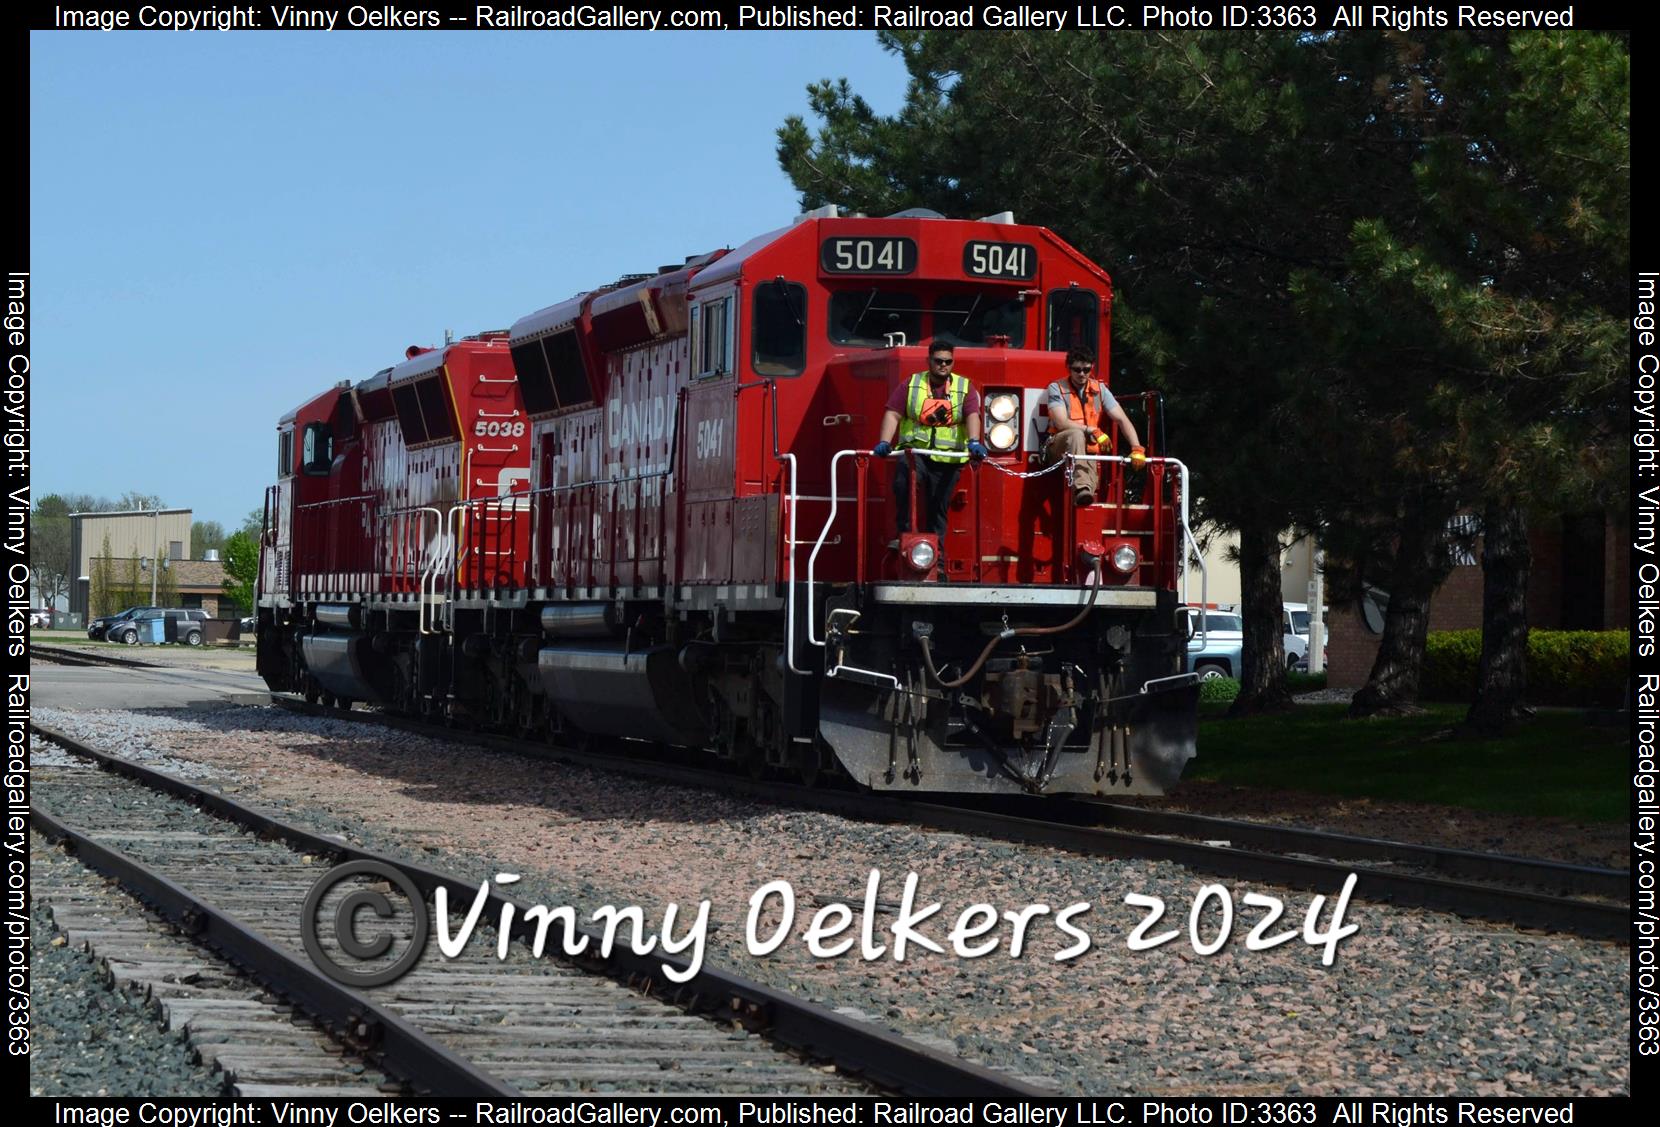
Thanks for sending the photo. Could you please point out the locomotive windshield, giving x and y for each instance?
(967, 319)
(866, 318)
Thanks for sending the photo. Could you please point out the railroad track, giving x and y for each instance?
(261, 1046)
(235, 879)
(1520, 891)
(71, 655)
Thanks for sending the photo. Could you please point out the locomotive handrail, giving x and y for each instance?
(835, 504)
(812, 558)
(580, 485)
(772, 401)
(317, 553)
(1187, 531)
(431, 569)
(535, 576)
(789, 593)
(336, 501)
(385, 515)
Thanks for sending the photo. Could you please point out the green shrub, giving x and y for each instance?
(1224, 690)
(1566, 667)
(1220, 690)
(1305, 682)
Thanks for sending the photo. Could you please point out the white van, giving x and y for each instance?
(1297, 619)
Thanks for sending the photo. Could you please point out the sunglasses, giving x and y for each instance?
(939, 359)
(1082, 371)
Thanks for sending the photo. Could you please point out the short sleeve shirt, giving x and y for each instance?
(901, 390)
(1060, 395)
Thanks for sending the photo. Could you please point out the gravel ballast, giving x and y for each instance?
(88, 1038)
(1416, 1003)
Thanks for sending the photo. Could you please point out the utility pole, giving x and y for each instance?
(1316, 615)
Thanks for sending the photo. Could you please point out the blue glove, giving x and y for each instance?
(882, 449)
(975, 449)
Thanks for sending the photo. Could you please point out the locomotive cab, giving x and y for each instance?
(1033, 646)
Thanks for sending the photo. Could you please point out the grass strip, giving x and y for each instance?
(1553, 765)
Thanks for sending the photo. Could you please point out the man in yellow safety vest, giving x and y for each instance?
(936, 412)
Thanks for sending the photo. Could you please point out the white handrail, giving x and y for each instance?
(789, 592)
(430, 570)
(812, 558)
(1187, 530)
(835, 505)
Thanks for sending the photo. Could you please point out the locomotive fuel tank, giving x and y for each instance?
(339, 664)
(608, 690)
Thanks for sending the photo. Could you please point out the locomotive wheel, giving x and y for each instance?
(403, 688)
(312, 694)
(328, 700)
(809, 765)
(344, 704)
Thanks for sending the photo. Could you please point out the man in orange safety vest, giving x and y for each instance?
(1077, 406)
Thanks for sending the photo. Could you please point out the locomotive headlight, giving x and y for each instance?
(923, 555)
(1124, 558)
(1002, 437)
(1002, 408)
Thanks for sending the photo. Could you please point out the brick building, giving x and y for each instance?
(196, 584)
(132, 541)
(1580, 580)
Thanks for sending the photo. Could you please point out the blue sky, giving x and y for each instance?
(222, 225)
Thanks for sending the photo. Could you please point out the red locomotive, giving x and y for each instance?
(651, 512)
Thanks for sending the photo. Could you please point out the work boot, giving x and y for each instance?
(1083, 498)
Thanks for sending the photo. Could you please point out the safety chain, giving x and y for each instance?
(1033, 473)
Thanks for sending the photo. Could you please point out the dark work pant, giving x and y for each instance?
(935, 483)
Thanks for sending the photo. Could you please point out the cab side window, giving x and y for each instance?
(780, 329)
(1074, 319)
(317, 450)
(712, 331)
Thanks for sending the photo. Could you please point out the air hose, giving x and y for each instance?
(1015, 632)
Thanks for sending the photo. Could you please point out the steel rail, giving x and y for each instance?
(1558, 876)
(884, 1059)
(71, 656)
(392, 1042)
(1518, 907)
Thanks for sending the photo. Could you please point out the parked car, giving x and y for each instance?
(1219, 651)
(1296, 636)
(187, 626)
(40, 618)
(99, 627)
(1222, 652)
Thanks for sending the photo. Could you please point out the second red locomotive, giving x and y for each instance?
(651, 512)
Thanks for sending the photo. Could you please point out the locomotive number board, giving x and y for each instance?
(1000, 260)
(883, 255)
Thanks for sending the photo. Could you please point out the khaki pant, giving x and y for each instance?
(1086, 476)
